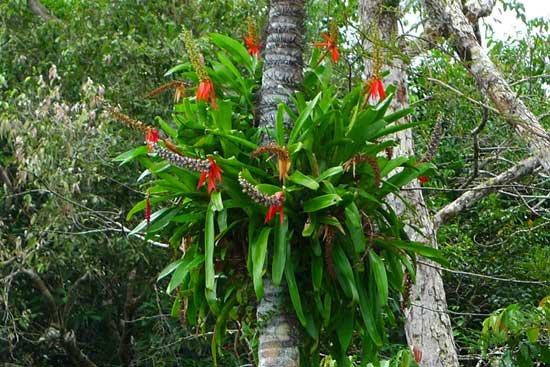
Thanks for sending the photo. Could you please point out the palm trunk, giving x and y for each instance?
(427, 323)
(282, 76)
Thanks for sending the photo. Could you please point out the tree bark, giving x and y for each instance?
(468, 198)
(36, 7)
(427, 324)
(449, 20)
(282, 76)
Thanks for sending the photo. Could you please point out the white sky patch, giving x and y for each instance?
(506, 24)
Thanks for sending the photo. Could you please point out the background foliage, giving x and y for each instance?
(64, 200)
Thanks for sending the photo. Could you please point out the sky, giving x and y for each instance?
(506, 24)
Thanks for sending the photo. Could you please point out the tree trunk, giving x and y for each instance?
(448, 18)
(282, 76)
(427, 325)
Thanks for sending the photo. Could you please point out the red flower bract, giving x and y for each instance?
(375, 90)
(147, 210)
(278, 207)
(330, 47)
(213, 174)
(151, 137)
(253, 48)
(423, 180)
(206, 92)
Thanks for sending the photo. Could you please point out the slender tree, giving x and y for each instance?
(428, 327)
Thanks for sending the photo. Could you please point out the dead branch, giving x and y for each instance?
(468, 198)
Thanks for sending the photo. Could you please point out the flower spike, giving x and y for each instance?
(205, 91)
(251, 39)
(274, 202)
(208, 168)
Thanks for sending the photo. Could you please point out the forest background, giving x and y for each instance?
(64, 199)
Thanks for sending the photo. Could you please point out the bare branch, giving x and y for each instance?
(41, 286)
(523, 168)
(72, 292)
(453, 89)
(74, 352)
(510, 280)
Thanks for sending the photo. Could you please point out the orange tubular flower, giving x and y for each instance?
(151, 137)
(276, 206)
(206, 92)
(253, 46)
(375, 90)
(213, 174)
(330, 47)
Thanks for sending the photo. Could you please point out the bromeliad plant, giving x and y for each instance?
(306, 210)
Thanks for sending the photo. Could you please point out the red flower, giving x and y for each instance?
(375, 90)
(253, 47)
(206, 92)
(330, 47)
(151, 137)
(213, 174)
(147, 210)
(277, 206)
(417, 354)
(423, 180)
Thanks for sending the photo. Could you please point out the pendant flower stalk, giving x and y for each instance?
(283, 158)
(209, 169)
(274, 203)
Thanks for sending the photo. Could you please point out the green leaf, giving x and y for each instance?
(329, 173)
(355, 227)
(279, 125)
(422, 250)
(345, 328)
(216, 200)
(317, 272)
(346, 271)
(185, 66)
(259, 254)
(301, 179)
(302, 118)
(321, 202)
(279, 251)
(380, 277)
(367, 312)
(143, 224)
(234, 48)
(233, 138)
(293, 289)
(169, 269)
(131, 155)
(209, 248)
(187, 265)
